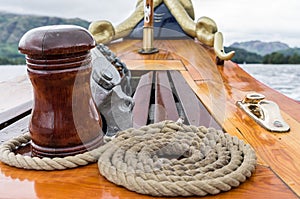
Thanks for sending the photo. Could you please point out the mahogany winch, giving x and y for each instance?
(64, 119)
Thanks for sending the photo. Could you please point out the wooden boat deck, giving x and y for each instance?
(218, 88)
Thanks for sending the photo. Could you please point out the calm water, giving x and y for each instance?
(284, 78)
(8, 72)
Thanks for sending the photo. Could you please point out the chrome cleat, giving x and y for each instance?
(264, 112)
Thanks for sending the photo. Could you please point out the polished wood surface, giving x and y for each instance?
(86, 182)
(277, 171)
(141, 98)
(195, 112)
(168, 97)
(154, 65)
(165, 107)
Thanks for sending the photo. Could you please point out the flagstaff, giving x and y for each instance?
(148, 28)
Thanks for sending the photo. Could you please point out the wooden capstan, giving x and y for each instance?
(148, 30)
(64, 119)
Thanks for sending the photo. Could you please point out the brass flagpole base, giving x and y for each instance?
(148, 42)
(148, 51)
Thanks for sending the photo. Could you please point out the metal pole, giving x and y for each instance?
(148, 28)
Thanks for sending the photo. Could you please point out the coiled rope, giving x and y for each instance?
(169, 159)
(162, 159)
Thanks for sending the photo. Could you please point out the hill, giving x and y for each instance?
(14, 26)
(289, 56)
(259, 47)
(290, 51)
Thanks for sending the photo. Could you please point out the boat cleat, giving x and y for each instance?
(264, 112)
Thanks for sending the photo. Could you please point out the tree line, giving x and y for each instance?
(278, 58)
(243, 56)
(12, 61)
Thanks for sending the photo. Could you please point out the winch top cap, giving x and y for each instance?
(56, 40)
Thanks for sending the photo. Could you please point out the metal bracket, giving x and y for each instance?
(264, 112)
(111, 90)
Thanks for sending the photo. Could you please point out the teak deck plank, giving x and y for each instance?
(154, 65)
(275, 151)
(280, 153)
(195, 112)
(86, 182)
(196, 59)
(279, 150)
(142, 100)
(165, 107)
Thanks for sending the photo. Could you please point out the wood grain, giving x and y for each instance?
(165, 107)
(86, 182)
(154, 65)
(195, 111)
(142, 100)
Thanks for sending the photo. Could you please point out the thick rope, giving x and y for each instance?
(170, 159)
(163, 159)
(8, 157)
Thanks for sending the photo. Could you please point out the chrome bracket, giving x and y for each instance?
(264, 112)
(111, 90)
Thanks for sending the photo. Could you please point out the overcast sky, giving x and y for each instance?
(239, 20)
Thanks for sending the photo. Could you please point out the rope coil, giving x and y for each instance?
(162, 159)
(171, 159)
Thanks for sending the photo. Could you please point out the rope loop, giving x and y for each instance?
(8, 157)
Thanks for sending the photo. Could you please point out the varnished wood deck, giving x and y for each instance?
(277, 173)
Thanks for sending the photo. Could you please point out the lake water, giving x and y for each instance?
(8, 72)
(284, 78)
